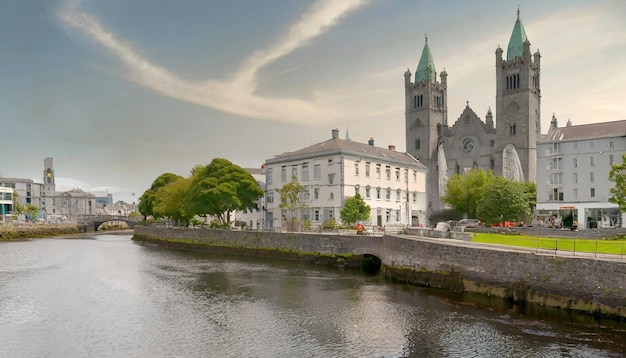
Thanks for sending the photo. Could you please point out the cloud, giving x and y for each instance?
(237, 96)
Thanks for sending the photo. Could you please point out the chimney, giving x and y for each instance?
(371, 141)
(335, 133)
(392, 147)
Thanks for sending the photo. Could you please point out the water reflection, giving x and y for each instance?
(109, 297)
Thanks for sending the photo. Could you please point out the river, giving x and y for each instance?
(106, 296)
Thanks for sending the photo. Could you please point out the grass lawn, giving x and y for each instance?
(617, 247)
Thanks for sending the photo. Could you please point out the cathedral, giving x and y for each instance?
(505, 143)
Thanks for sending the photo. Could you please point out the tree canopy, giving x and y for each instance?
(355, 209)
(293, 197)
(482, 195)
(219, 188)
(146, 200)
(618, 176)
(169, 200)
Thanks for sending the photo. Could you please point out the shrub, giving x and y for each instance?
(330, 224)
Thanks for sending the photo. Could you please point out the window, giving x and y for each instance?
(388, 172)
(611, 159)
(406, 175)
(592, 161)
(387, 215)
(269, 197)
(512, 81)
(331, 196)
(611, 144)
(592, 176)
(330, 161)
(269, 176)
(556, 195)
(378, 170)
(316, 214)
(331, 178)
(512, 129)
(305, 171)
(575, 178)
(414, 176)
(317, 172)
(575, 194)
(388, 194)
(398, 216)
(331, 212)
(417, 144)
(557, 164)
(294, 172)
(367, 191)
(316, 193)
(593, 192)
(414, 197)
(367, 169)
(357, 190)
(283, 174)
(397, 173)
(377, 193)
(398, 195)
(575, 160)
(356, 168)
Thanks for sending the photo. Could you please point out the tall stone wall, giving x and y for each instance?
(580, 284)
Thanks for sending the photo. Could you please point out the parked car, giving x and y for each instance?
(468, 223)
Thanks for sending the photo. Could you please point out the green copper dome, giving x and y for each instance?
(426, 67)
(516, 43)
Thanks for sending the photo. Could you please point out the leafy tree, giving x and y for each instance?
(32, 211)
(505, 200)
(293, 197)
(219, 188)
(169, 201)
(146, 200)
(464, 191)
(354, 210)
(530, 195)
(618, 176)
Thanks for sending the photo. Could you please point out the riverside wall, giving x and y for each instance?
(587, 285)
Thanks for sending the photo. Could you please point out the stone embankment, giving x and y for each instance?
(521, 276)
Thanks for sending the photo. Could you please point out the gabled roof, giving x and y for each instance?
(426, 67)
(467, 118)
(587, 131)
(516, 43)
(338, 146)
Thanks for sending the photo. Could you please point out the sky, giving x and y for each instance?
(118, 92)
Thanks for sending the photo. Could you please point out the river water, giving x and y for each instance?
(106, 296)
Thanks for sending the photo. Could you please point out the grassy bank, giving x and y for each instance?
(29, 231)
(607, 246)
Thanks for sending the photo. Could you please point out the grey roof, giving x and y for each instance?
(16, 180)
(587, 131)
(339, 146)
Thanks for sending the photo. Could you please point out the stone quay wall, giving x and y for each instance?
(521, 276)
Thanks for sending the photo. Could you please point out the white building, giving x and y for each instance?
(392, 183)
(573, 165)
(253, 218)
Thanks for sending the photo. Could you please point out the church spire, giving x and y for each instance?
(426, 67)
(518, 37)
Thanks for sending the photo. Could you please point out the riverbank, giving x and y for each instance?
(12, 232)
(517, 275)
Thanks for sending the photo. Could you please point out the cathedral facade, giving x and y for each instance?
(506, 144)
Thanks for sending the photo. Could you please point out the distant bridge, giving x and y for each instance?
(95, 221)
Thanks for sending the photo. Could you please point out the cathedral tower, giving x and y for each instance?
(518, 103)
(426, 116)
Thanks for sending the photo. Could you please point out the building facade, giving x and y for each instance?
(574, 164)
(506, 145)
(392, 183)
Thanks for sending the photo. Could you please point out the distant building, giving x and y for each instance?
(28, 192)
(74, 202)
(392, 183)
(6, 200)
(574, 164)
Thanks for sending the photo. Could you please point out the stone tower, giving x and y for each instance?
(518, 103)
(425, 115)
(49, 188)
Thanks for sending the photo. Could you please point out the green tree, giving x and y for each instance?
(293, 197)
(146, 200)
(169, 201)
(355, 209)
(505, 200)
(530, 195)
(464, 191)
(32, 211)
(618, 176)
(219, 188)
